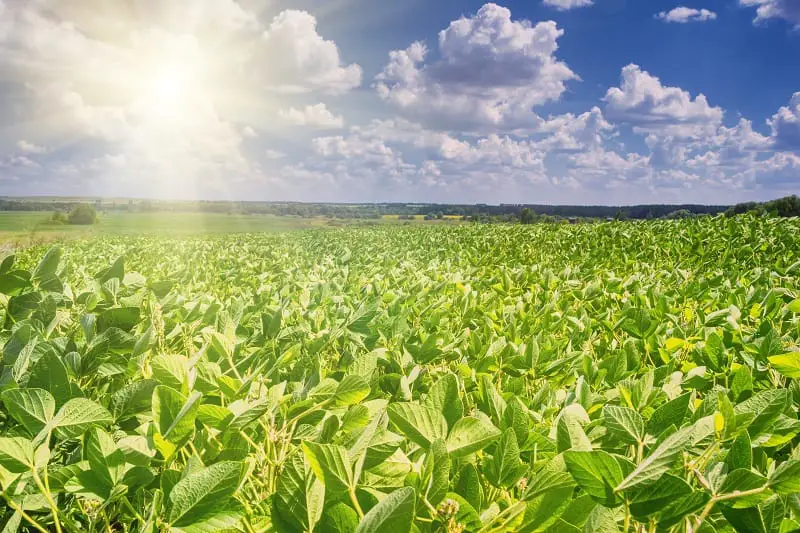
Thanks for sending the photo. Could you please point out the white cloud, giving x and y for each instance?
(297, 58)
(785, 126)
(682, 15)
(315, 116)
(647, 105)
(174, 90)
(767, 9)
(492, 71)
(565, 5)
(274, 154)
(30, 148)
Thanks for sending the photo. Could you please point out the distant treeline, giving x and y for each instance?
(789, 206)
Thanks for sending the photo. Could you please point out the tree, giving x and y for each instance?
(83, 215)
(527, 216)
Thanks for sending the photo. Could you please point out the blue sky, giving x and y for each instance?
(541, 101)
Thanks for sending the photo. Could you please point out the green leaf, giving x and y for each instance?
(104, 457)
(203, 501)
(352, 390)
(48, 266)
(766, 406)
(437, 469)
(78, 415)
(132, 399)
(338, 518)
(444, 397)
(787, 364)
(785, 479)
(331, 464)
(658, 462)
(174, 416)
(671, 413)
(505, 468)
(624, 423)
(570, 434)
(302, 495)
(653, 498)
(170, 370)
(33, 408)
(420, 424)
(395, 513)
(50, 373)
(597, 473)
(124, 318)
(740, 454)
(469, 435)
(743, 480)
(469, 485)
(17, 454)
(544, 510)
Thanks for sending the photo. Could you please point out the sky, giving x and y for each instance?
(447, 101)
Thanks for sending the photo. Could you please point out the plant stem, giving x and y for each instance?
(724, 497)
(354, 499)
(48, 497)
(24, 515)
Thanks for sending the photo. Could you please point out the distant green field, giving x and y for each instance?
(22, 228)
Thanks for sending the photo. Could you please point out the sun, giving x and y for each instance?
(167, 91)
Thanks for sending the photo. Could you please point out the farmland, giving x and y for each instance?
(614, 377)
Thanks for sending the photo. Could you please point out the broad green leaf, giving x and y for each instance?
(651, 499)
(744, 480)
(421, 424)
(785, 479)
(624, 423)
(766, 406)
(33, 408)
(671, 413)
(597, 473)
(302, 495)
(444, 397)
(16, 454)
(352, 390)
(78, 415)
(544, 510)
(505, 468)
(174, 416)
(104, 457)
(170, 370)
(787, 364)
(437, 470)
(394, 513)
(338, 518)
(659, 461)
(469, 435)
(203, 501)
(570, 434)
(331, 464)
(48, 266)
(50, 373)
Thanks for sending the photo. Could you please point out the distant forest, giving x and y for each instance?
(784, 207)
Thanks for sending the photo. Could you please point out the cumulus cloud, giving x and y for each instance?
(647, 105)
(30, 148)
(565, 5)
(492, 71)
(315, 116)
(682, 15)
(173, 90)
(785, 126)
(788, 10)
(297, 58)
